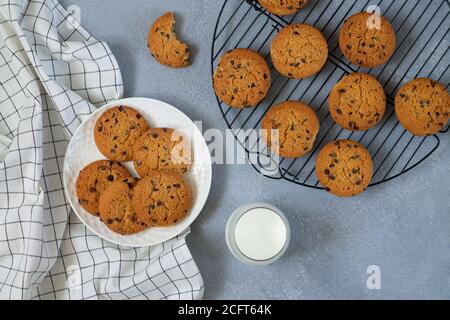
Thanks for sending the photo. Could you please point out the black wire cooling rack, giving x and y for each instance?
(423, 42)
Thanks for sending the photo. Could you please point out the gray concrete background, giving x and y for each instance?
(402, 226)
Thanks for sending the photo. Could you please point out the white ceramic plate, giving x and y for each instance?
(82, 151)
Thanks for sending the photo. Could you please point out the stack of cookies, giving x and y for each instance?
(357, 102)
(126, 204)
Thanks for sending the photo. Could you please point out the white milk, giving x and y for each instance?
(260, 234)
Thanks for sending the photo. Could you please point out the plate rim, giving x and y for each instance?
(124, 102)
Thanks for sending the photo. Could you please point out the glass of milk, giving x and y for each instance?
(258, 233)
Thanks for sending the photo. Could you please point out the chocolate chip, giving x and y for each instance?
(110, 177)
(121, 108)
(109, 221)
(342, 90)
(100, 129)
(92, 190)
(155, 135)
(177, 185)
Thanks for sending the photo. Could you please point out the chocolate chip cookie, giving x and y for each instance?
(290, 128)
(423, 106)
(344, 168)
(162, 148)
(367, 40)
(357, 102)
(242, 78)
(283, 7)
(94, 179)
(116, 210)
(164, 44)
(162, 198)
(299, 51)
(117, 130)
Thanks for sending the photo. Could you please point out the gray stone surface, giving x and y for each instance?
(402, 226)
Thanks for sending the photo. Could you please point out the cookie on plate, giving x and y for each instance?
(299, 51)
(283, 7)
(357, 102)
(242, 78)
(290, 128)
(164, 45)
(423, 106)
(367, 40)
(93, 180)
(117, 130)
(344, 168)
(162, 198)
(162, 148)
(116, 210)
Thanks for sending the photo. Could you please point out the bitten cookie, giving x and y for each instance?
(162, 148)
(296, 126)
(299, 51)
(357, 102)
(364, 42)
(242, 78)
(117, 130)
(164, 45)
(162, 198)
(423, 106)
(283, 7)
(116, 210)
(344, 168)
(94, 179)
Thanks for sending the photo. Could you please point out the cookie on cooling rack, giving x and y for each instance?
(164, 44)
(161, 148)
(296, 126)
(116, 209)
(423, 106)
(344, 168)
(162, 198)
(94, 179)
(283, 7)
(242, 78)
(367, 40)
(299, 51)
(117, 130)
(357, 102)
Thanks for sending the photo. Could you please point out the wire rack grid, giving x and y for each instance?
(423, 42)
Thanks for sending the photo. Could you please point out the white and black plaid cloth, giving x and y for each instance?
(52, 74)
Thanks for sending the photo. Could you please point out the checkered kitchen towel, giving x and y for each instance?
(52, 73)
